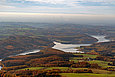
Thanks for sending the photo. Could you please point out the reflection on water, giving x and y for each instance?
(100, 38)
(71, 47)
(68, 47)
(25, 53)
(0, 66)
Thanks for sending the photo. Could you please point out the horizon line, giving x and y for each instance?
(36, 13)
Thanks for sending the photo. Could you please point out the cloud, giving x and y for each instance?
(3, 0)
(59, 6)
(88, 11)
(70, 1)
(49, 1)
(4, 6)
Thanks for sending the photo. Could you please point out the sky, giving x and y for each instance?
(59, 6)
(69, 8)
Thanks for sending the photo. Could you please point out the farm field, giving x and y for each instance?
(86, 75)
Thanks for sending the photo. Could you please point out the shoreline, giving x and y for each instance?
(72, 47)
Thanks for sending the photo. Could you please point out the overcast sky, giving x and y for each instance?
(60, 8)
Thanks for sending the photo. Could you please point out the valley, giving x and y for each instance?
(57, 38)
(53, 51)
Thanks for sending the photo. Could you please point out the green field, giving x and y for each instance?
(76, 59)
(32, 68)
(95, 71)
(63, 68)
(86, 75)
(87, 55)
(50, 68)
(103, 64)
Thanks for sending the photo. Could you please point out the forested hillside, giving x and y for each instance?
(18, 44)
(54, 63)
(105, 48)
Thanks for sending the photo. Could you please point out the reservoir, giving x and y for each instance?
(71, 47)
(68, 47)
(100, 38)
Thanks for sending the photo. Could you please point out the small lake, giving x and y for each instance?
(71, 47)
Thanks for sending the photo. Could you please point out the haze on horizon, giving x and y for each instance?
(58, 11)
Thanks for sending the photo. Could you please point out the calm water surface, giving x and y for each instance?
(71, 47)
